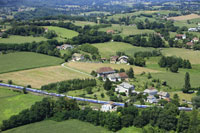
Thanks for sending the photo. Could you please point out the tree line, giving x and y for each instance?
(65, 86)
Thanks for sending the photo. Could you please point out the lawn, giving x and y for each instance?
(110, 48)
(89, 67)
(11, 103)
(41, 76)
(13, 39)
(193, 56)
(127, 30)
(49, 126)
(26, 60)
(182, 96)
(62, 32)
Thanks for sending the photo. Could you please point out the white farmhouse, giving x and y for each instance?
(125, 87)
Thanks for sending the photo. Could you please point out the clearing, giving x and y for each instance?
(41, 76)
(185, 17)
(11, 103)
(110, 48)
(89, 67)
(26, 60)
(49, 126)
(13, 39)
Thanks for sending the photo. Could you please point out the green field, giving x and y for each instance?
(68, 126)
(127, 30)
(130, 130)
(62, 32)
(110, 48)
(21, 39)
(26, 60)
(11, 103)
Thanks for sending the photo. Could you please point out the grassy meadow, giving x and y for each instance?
(26, 60)
(41, 76)
(11, 103)
(14, 39)
(62, 32)
(110, 48)
(185, 17)
(49, 126)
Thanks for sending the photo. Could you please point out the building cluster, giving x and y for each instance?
(119, 60)
(77, 57)
(190, 43)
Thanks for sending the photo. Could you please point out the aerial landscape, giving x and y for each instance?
(100, 66)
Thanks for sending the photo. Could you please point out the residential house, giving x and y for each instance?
(195, 39)
(125, 87)
(180, 36)
(123, 60)
(163, 95)
(151, 91)
(104, 72)
(77, 57)
(117, 77)
(114, 59)
(151, 99)
(190, 44)
(108, 107)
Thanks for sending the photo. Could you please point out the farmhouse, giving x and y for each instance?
(180, 36)
(104, 72)
(163, 95)
(117, 77)
(195, 39)
(77, 57)
(123, 60)
(190, 44)
(108, 107)
(151, 91)
(125, 87)
(113, 59)
(151, 99)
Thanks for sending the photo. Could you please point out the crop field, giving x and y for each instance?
(193, 56)
(110, 48)
(62, 32)
(41, 76)
(49, 126)
(89, 67)
(26, 60)
(11, 103)
(127, 30)
(13, 39)
(185, 17)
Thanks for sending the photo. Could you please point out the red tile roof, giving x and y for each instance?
(104, 69)
(190, 44)
(123, 75)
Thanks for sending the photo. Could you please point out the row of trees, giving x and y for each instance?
(147, 53)
(75, 84)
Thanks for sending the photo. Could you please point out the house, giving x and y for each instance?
(104, 71)
(114, 59)
(110, 31)
(195, 39)
(180, 36)
(125, 87)
(192, 29)
(151, 99)
(65, 47)
(117, 77)
(77, 57)
(45, 29)
(151, 91)
(190, 44)
(108, 107)
(123, 59)
(163, 95)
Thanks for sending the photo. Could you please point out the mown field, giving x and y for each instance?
(49, 126)
(26, 60)
(127, 30)
(89, 67)
(110, 48)
(185, 17)
(13, 39)
(41, 76)
(62, 32)
(11, 103)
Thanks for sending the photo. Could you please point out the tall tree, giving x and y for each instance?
(194, 122)
(107, 85)
(183, 122)
(187, 85)
(130, 73)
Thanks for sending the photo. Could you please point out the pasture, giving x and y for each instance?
(14, 39)
(41, 76)
(26, 60)
(11, 103)
(110, 48)
(62, 32)
(193, 56)
(89, 67)
(49, 126)
(185, 17)
(127, 30)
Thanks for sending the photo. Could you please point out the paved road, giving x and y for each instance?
(63, 65)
